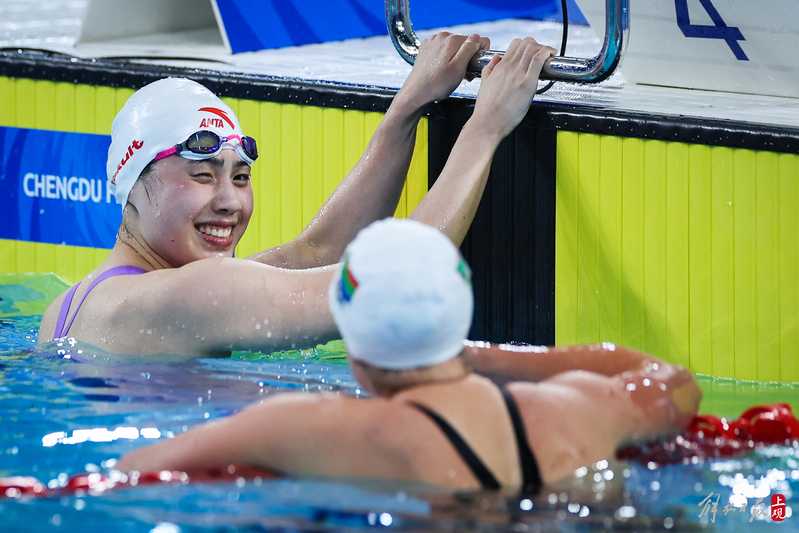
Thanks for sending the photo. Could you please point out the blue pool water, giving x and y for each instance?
(68, 409)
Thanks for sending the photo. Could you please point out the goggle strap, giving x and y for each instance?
(166, 153)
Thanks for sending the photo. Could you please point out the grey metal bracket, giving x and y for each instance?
(574, 69)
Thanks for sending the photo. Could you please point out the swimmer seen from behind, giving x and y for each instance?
(402, 300)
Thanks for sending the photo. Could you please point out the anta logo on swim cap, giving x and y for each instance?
(215, 122)
(347, 284)
(134, 145)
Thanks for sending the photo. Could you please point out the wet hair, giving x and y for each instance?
(145, 177)
(147, 170)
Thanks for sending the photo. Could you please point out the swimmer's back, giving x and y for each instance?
(388, 438)
(579, 417)
(573, 419)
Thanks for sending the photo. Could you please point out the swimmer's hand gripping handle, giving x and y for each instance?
(581, 70)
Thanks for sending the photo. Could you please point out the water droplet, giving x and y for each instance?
(526, 504)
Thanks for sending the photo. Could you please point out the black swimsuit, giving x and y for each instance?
(531, 477)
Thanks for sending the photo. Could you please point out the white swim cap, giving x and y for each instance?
(156, 117)
(402, 298)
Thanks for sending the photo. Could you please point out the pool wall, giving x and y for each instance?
(669, 234)
(674, 235)
(682, 249)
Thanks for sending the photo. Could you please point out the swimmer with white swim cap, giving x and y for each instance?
(402, 300)
(180, 166)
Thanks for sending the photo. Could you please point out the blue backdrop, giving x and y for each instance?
(255, 25)
(54, 188)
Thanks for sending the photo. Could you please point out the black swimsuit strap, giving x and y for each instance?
(476, 465)
(531, 476)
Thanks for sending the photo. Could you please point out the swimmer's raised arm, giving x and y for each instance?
(507, 88)
(373, 187)
(217, 305)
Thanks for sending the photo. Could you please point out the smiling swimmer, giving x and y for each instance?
(181, 166)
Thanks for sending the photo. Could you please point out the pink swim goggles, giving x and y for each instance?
(206, 144)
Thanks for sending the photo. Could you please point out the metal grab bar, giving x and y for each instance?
(575, 69)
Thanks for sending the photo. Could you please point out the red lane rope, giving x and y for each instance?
(14, 487)
(709, 436)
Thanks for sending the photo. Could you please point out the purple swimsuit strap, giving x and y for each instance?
(60, 329)
(62, 315)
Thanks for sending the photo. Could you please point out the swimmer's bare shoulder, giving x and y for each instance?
(95, 322)
(573, 419)
(207, 307)
(49, 319)
(580, 403)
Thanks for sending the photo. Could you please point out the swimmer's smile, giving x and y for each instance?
(217, 234)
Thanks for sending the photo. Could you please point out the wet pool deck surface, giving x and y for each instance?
(372, 61)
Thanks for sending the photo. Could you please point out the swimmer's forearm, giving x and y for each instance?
(213, 445)
(370, 192)
(452, 202)
(537, 363)
(185, 452)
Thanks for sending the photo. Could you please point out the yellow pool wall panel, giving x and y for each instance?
(686, 251)
(305, 153)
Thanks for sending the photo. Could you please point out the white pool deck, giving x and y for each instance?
(373, 61)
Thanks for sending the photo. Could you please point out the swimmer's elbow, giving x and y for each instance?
(312, 251)
(666, 400)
